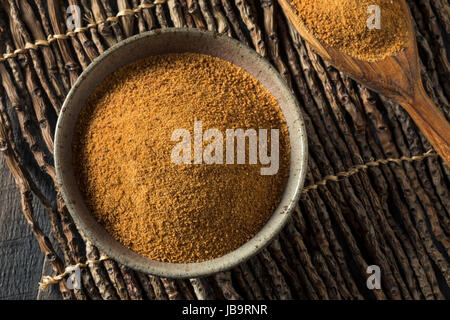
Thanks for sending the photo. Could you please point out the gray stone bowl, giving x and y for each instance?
(163, 42)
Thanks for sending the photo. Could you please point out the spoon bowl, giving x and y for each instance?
(397, 77)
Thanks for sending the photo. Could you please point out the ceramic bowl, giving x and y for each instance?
(177, 41)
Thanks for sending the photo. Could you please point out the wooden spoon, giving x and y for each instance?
(397, 77)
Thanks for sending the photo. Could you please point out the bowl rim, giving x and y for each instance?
(185, 270)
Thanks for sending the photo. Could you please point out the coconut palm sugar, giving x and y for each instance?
(342, 24)
(122, 157)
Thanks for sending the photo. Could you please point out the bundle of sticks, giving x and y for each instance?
(395, 214)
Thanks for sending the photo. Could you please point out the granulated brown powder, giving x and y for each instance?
(342, 24)
(122, 155)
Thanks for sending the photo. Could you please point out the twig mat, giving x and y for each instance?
(376, 193)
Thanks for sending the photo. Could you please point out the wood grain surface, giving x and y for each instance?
(20, 259)
(21, 262)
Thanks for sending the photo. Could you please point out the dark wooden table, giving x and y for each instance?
(21, 261)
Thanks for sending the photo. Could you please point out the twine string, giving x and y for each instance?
(354, 170)
(54, 37)
(49, 280)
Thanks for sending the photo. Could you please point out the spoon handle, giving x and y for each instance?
(431, 121)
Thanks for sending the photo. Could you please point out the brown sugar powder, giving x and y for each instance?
(122, 155)
(342, 24)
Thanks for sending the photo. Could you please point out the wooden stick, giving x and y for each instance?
(21, 37)
(224, 281)
(210, 22)
(415, 145)
(384, 226)
(171, 289)
(36, 30)
(148, 16)
(104, 28)
(146, 286)
(116, 279)
(36, 94)
(194, 10)
(127, 21)
(160, 292)
(48, 31)
(141, 24)
(186, 289)
(161, 16)
(58, 28)
(90, 19)
(255, 31)
(234, 22)
(280, 285)
(308, 290)
(262, 278)
(292, 279)
(241, 284)
(110, 14)
(129, 277)
(105, 289)
(18, 172)
(87, 44)
(251, 281)
(272, 40)
(222, 23)
(176, 14)
(187, 16)
(385, 137)
(201, 289)
(40, 157)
